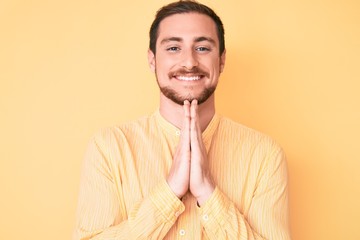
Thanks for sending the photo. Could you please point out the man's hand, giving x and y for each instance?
(201, 184)
(179, 175)
(189, 170)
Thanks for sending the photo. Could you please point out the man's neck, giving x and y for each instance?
(174, 112)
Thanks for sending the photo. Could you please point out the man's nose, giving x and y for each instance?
(189, 60)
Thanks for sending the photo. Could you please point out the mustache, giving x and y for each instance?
(194, 71)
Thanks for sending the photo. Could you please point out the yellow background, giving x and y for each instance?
(69, 68)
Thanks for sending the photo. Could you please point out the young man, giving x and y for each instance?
(184, 172)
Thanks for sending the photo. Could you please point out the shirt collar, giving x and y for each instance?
(174, 131)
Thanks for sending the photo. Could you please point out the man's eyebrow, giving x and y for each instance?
(171, 39)
(208, 39)
(179, 39)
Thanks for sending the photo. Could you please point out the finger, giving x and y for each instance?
(185, 131)
(196, 134)
(194, 115)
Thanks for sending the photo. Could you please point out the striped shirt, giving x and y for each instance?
(124, 193)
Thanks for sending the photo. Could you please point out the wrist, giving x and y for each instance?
(178, 191)
(206, 194)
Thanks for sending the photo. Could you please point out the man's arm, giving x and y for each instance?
(101, 208)
(267, 217)
(268, 214)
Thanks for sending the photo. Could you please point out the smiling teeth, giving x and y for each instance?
(184, 78)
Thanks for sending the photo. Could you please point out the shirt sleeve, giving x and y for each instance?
(267, 217)
(101, 212)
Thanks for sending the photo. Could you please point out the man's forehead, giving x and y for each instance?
(191, 26)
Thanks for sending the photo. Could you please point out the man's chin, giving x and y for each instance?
(178, 99)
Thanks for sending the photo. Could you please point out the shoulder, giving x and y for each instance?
(235, 131)
(123, 131)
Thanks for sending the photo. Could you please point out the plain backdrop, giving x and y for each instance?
(71, 67)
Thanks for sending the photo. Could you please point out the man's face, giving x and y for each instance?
(187, 62)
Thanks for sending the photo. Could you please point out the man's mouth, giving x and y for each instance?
(188, 78)
(195, 74)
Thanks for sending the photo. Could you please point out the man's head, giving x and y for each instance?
(187, 51)
(185, 7)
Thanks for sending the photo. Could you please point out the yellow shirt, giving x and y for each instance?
(124, 193)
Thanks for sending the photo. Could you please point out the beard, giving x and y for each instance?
(177, 98)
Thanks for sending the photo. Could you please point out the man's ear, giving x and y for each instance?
(222, 61)
(151, 60)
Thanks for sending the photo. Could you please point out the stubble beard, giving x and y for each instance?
(174, 96)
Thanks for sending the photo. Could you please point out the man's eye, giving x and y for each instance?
(202, 49)
(173, 49)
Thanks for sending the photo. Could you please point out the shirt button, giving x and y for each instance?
(182, 232)
(206, 217)
(177, 214)
(177, 133)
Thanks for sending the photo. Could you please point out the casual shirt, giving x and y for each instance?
(124, 193)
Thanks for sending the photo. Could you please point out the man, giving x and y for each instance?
(184, 172)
